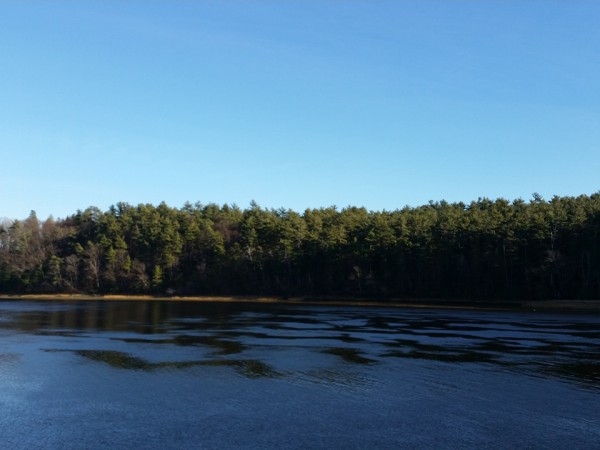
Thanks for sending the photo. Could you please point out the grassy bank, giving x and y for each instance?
(588, 306)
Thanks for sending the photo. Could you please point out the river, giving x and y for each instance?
(170, 374)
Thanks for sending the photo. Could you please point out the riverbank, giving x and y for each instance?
(587, 306)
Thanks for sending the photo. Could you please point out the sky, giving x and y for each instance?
(296, 104)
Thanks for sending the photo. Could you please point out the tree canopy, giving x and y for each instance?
(487, 249)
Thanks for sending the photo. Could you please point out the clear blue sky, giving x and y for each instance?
(296, 104)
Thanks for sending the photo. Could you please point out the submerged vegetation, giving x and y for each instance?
(488, 249)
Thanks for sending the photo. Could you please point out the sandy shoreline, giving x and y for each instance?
(588, 306)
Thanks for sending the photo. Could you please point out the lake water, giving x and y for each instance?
(219, 375)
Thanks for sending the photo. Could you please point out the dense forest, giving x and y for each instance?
(488, 249)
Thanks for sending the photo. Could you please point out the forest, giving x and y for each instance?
(484, 250)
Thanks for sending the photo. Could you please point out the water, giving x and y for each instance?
(219, 375)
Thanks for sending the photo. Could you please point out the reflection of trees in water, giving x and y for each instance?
(351, 355)
(250, 368)
(545, 345)
(222, 346)
(136, 316)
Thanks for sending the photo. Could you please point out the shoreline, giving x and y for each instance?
(567, 306)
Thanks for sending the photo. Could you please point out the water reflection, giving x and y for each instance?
(562, 347)
(351, 355)
(8, 358)
(471, 357)
(120, 360)
(222, 346)
(589, 372)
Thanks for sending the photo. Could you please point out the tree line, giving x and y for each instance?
(485, 250)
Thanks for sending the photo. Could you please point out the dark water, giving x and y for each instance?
(204, 375)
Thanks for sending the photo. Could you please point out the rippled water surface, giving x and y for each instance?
(221, 375)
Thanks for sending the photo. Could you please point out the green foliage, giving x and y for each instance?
(487, 249)
(157, 278)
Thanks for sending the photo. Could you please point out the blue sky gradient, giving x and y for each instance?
(296, 104)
